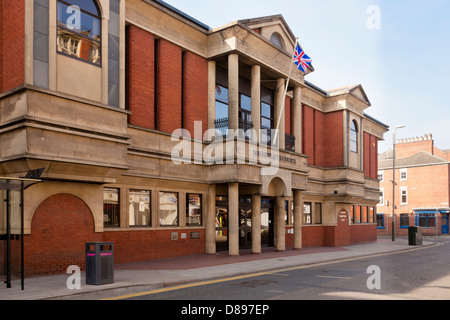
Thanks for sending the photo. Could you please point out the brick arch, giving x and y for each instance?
(61, 226)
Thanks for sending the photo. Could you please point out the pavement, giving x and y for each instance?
(152, 275)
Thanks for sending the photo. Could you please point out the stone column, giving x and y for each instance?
(233, 91)
(211, 94)
(233, 219)
(210, 220)
(298, 220)
(297, 115)
(256, 224)
(280, 229)
(256, 100)
(280, 111)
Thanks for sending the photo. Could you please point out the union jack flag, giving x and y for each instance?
(301, 59)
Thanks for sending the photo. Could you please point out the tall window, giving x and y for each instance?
(372, 215)
(193, 209)
(79, 30)
(221, 120)
(354, 137)
(380, 221)
(381, 197)
(404, 220)
(111, 212)
(267, 115)
(307, 213)
(168, 209)
(404, 194)
(277, 40)
(139, 207)
(245, 113)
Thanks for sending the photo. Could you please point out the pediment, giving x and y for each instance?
(271, 27)
(356, 91)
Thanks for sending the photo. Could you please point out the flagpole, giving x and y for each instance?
(283, 101)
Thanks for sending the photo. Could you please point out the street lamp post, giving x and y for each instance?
(394, 230)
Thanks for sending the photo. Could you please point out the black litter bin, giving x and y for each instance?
(99, 263)
(415, 236)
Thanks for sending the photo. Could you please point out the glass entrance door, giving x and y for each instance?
(221, 224)
(245, 223)
(267, 216)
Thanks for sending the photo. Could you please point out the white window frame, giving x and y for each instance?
(381, 203)
(381, 173)
(404, 189)
(404, 172)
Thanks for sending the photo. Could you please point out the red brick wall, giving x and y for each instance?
(405, 150)
(135, 246)
(308, 133)
(195, 95)
(61, 226)
(323, 137)
(363, 233)
(169, 86)
(13, 44)
(313, 236)
(140, 75)
(428, 187)
(334, 139)
(370, 155)
(319, 139)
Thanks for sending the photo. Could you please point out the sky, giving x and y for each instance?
(398, 50)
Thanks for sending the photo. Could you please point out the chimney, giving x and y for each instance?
(411, 146)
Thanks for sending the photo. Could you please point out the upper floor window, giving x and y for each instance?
(354, 137)
(79, 30)
(404, 175)
(381, 176)
(404, 195)
(277, 40)
(267, 115)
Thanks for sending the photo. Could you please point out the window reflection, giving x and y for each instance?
(168, 209)
(139, 208)
(79, 30)
(193, 209)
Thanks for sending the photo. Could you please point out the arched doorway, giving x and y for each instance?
(61, 226)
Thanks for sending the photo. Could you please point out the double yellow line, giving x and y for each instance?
(192, 285)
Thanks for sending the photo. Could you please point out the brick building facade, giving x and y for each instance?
(422, 187)
(96, 106)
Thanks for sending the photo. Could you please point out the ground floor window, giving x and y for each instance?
(372, 212)
(380, 221)
(426, 220)
(139, 208)
(168, 209)
(111, 211)
(362, 214)
(193, 209)
(307, 213)
(404, 221)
